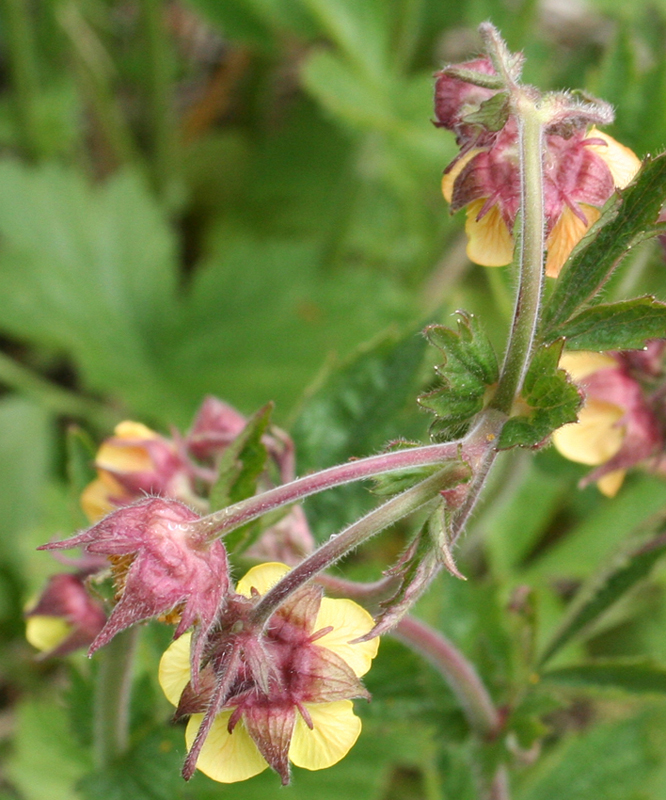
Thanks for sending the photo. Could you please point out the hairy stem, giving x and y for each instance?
(228, 519)
(531, 244)
(456, 670)
(112, 697)
(338, 546)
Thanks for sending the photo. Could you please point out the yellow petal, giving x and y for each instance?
(489, 240)
(95, 497)
(262, 577)
(46, 633)
(174, 670)
(622, 162)
(134, 430)
(567, 232)
(336, 729)
(349, 621)
(610, 483)
(449, 178)
(579, 364)
(596, 437)
(226, 757)
(123, 458)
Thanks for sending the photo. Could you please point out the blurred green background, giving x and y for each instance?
(241, 197)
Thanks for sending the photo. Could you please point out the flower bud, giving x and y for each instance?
(65, 617)
(582, 166)
(156, 568)
(134, 462)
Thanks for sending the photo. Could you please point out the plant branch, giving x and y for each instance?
(338, 546)
(530, 256)
(222, 522)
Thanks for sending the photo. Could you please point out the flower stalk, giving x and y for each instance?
(226, 520)
(531, 248)
(457, 671)
(338, 546)
(112, 697)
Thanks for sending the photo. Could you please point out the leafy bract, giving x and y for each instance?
(614, 326)
(548, 398)
(469, 370)
(629, 218)
(240, 466)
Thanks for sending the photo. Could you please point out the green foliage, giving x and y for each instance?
(352, 410)
(46, 762)
(615, 326)
(635, 677)
(612, 761)
(603, 590)
(551, 401)
(303, 221)
(145, 772)
(469, 369)
(242, 462)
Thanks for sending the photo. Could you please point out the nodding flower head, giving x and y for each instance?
(157, 569)
(617, 427)
(582, 168)
(271, 697)
(65, 617)
(132, 463)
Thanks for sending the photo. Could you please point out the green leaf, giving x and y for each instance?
(239, 469)
(610, 761)
(352, 411)
(99, 264)
(81, 451)
(25, 455)
(636, 677)
(551, 401)
(614, 326)
(150, 770)
(348, 94)
(628, 219)
(603, 590)
(470, 367)
(45, 762)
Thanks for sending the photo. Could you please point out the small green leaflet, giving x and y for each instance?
(614, 326)
(470, 367)
(550, 399)
(239, 469)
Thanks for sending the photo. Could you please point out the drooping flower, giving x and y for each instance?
(65, 617)
(582, 168)
(134, 462)
(278, 697)
(616, 428)
(157, 568)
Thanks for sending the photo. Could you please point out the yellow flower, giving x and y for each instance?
(616, 427)
(323, 732)
(580, 174)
